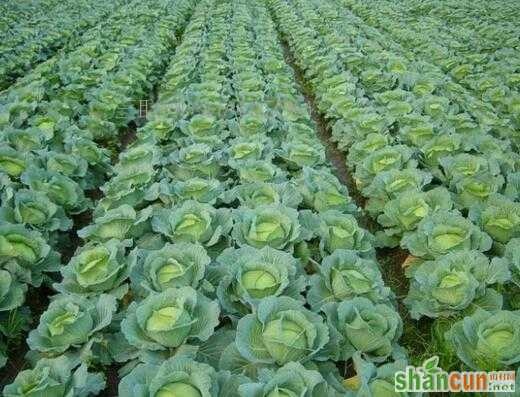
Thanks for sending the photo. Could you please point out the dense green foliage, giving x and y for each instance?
(210, 248)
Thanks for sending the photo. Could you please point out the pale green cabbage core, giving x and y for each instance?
(178, 389)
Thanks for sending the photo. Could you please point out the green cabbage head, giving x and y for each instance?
(250, 275)
(172, 266)
(178, 376)
(56, 377)
(169, 319)
(267, 225)
(193, 222)
(70, 321)
(443, 232)
(487, 340)
(360, 325)
(281, 330)
(345, 275)
(450, 284)
(291, 380)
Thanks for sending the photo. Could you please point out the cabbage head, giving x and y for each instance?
(193, 222)
(281, 330)
(345, 275)
(60, 189)
(299, 153)
(454, 282)
(26, 253)
(257, 171)
(178, 376)
(394, 157)
(404, 213)
(291, 380)
(375, 381)
(170, 319)
(199, 189)
(387, 185)
(12, 162)
(36, 209)
(322, 191)
(172, 266)
(113, 224)
(488, 341)
(443, 232)
(197, 160)
(337, 230)
(499, 217)
(261, 193)
(275, 226)
(98, 267)
(71, 321)
(250, 275)
(359, 324)
(56, 377)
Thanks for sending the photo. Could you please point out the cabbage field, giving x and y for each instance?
(256, 198)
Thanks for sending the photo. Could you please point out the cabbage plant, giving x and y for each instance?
(336, 230)
(197, 160)
(474, 191)
(245, 149)
(388, 158)
(388, 185)
(293, 379)
(26, 253)
(248, 275)
(170, 319)
(361, 325)
(345, 275)
(404, 213)
(96, 268)
(12, 162)
(488, 341)
(113, 224)
(251, 171)
(322, 191)
(455, 282)
(193, 222)
(261, 193)
(199, 189)
(500, 218)
(281, 330)
(361, 149)
(275, 226)
(298, 154)
(443, 232)
(71, 321)
(60, 189)
(176, 377)
(172, 266)
(34, 208)
(440, 146)
(56, 377)
(375, 381)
